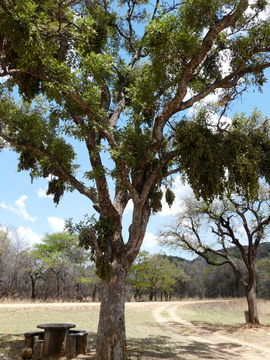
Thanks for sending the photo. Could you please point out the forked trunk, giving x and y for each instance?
(111, 337)
(252, 303)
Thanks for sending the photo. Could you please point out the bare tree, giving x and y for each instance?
(211, 229)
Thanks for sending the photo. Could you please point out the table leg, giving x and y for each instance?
(54, 342)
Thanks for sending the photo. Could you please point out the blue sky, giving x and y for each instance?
(26, 208)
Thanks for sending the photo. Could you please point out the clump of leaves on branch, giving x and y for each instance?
(115, 76)
(95, 235)
(236, 157)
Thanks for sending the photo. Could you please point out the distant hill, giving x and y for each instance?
(263, 251)
(176, 259)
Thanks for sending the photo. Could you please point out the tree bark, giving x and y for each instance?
(94, 292)
(111, 337)
(252, 303)
(33, 287)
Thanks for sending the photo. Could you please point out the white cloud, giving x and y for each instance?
(56, 224)
(188, 95)
(19, 209)
(150, 241)
(4, 228)
(28, 235)
(129, 206)
(20, 203)
(181, 191)
(3, 79)
(223, 122)
(263, 15)
(51, 177)
(226, 57)
(42, 193)
(213, 118)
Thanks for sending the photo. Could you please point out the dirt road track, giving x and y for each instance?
(222, 346)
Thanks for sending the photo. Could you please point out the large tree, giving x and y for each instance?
(211, 231)
(115, 76)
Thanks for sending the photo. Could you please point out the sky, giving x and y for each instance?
(25, 207)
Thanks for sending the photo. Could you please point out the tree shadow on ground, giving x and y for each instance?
(202, 328)
(162, 347)
(10, 346)
(150, 348)
(212, 327)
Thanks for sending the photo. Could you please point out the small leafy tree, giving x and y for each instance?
(114, 76)
(137, 275)
(153, 274)
(161, 277)
(57, 253)
(234, 220)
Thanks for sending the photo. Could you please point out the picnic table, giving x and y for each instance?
(57, 340)
(54, 338)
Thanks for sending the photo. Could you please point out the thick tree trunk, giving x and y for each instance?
(252, 303)
(111, 337)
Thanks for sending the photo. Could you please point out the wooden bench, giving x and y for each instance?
(76, 343)
(38, 350)
(29, 343)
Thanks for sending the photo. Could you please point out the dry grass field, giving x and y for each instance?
(185, 330)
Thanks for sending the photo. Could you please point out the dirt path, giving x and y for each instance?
(221, 346)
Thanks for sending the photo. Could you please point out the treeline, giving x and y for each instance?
(57, 269)
(54, 269)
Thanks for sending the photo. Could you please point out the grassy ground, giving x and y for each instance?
(225, 313)
(147, 339)
(145, 336)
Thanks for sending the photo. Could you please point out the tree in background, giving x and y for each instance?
(154, 275)
(6, 257)
(137, 275)
(12, 283)
(161, 277)
(114, 76)
(34, 268)
(60, 255)
(263, 273)
(55, 268)
(234, 221)
(94, 283)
